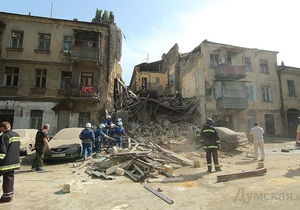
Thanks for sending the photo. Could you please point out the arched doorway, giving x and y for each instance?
(292, 121)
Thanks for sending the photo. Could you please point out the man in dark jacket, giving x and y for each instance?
(9, 160)
(211, 143)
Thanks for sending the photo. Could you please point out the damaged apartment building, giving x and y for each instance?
(236, 86)
(57, 71)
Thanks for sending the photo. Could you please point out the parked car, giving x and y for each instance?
(65, 144)
(27, 140)
(230, 139)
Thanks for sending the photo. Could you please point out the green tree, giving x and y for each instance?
(105, 17)
(98, 16)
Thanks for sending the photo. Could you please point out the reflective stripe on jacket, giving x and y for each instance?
(9, 151)
(209, 137)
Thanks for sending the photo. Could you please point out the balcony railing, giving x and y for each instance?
(226, 71)
(232, 103)
(80, 53)
(86, 92)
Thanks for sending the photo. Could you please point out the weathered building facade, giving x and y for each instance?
(238, 85)
(289, 80)
(157, 76)
(56, 71)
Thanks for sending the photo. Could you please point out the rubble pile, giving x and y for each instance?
(155, 128)
(143, 162)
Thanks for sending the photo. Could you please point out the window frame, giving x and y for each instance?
(247, 63)
(83, 118)
(251, 92)
(36, 118)
(65, 80)
(44, 41)
(266, 93)
(86, 78)
(40, 78)
(263, 66)
(16, 39)
(68, 41)
(291, 88)
(12, 78)
(213, 60)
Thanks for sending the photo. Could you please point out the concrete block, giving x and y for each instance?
(168, 169)
(68, 187)
(120, 171)
(260, 165)
(197, 163)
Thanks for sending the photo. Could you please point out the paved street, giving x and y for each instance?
(277, 189)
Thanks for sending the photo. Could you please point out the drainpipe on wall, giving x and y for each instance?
(108, 55)
(284, 131)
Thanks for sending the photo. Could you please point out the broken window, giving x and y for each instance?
(291, 88)
(263, 66)
(67, 43)
(16, 39)
(40, 78)
(266, 92)
(44, 42)
(65, 81)
(11, 76)
(36, 117)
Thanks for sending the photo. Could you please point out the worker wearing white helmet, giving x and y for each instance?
(87, 137)
(100, 137)
(118, 131)
(107, 122)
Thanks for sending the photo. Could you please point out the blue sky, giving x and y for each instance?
(152, 27)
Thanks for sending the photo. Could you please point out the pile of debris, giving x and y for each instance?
(148, 106)
(140, 162)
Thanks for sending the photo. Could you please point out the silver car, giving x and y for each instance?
(65, 144)
(27, 140)
(231, 139)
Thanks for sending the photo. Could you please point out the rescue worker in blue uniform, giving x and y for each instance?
(99, 137)
(211, 143)
(118, 132)
(9, 160)
(108, 125)
(87, 137)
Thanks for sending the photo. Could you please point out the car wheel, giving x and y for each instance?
(224, 146)
(28, 150)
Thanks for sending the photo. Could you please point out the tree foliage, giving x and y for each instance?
(101, 18)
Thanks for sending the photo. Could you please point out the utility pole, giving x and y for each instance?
(51, 9)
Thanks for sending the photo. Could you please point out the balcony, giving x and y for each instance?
(81, 53)
(232, 103)
(226, 71)
(84, 92)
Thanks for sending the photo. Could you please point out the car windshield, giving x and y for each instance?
(69, 133)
